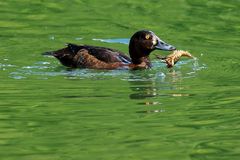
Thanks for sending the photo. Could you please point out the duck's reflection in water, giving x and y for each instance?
(148, 90)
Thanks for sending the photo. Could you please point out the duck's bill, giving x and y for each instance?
(161, 45)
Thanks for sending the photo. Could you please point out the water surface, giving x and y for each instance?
(48, 111)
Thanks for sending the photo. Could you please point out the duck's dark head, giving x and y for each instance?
(143, 42)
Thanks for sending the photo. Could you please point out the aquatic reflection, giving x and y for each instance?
(152, 111)
(151, 89)
(145, 89)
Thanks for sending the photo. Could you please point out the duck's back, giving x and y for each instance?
(85, 56)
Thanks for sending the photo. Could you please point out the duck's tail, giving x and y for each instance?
(49, 53)
(73, 48)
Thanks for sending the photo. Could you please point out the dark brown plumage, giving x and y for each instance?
(142, 43)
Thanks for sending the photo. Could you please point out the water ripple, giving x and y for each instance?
(46, 69)
(6, 66)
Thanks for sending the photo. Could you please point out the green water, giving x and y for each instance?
(49, 112)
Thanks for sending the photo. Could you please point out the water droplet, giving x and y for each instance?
(52, 38)
(78, 38)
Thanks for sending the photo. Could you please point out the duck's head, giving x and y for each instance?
(143, 42)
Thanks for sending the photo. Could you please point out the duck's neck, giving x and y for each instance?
(139, 55)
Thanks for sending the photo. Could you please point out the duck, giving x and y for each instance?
(141, 44)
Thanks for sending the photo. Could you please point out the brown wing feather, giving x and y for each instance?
(107, 55)
(84, 59)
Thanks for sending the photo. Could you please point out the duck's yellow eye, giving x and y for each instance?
(154, 42)
(147, 36)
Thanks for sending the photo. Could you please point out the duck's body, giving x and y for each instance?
(141, 45)
(84, 56)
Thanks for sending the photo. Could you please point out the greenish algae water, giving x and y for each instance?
(49, 112)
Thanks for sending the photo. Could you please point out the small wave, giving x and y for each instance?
(78, 38)
(6, 66)
(45, 70)
(117, 40)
